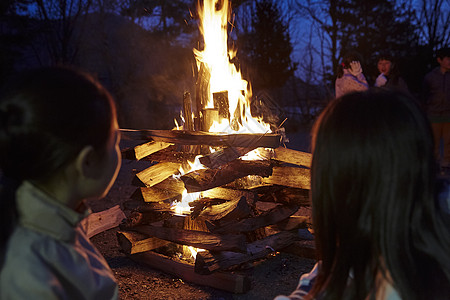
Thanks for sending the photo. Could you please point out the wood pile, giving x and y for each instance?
(246, 209)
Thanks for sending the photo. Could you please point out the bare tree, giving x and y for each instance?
(60, 23)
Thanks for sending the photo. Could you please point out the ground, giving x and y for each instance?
(270, 277)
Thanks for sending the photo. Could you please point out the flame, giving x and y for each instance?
(216, 57)
(182, 207)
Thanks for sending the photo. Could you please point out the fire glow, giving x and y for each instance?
(224, 77)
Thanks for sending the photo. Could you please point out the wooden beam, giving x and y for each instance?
(226, 281)
(208, 262)
(223, 156)
(245, 140)
(143, 150)
(274, 216)
(230, 210)
(133, 242)
(230, 194)
(293, 157)
(103, 220)
(197, 239)
(167, 191)
(156, 174)
(290, 176)
(206, 179)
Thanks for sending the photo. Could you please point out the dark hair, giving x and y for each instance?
(47, 116)
(443, 52)
(373, 197)
(394, 72)
(346, 60)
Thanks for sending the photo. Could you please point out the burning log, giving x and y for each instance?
(221, 103)
(206, 179)
(223, 156)
(231, 210)
(202, 93)
(245, 140)
(133, 242)
(230, 282)
(208, 262)
(229, 194)
(293, 157)
(187, 109)
(290, 176)
(143, 150)
(209, 116)
(197, 239)
(169, 190)
(274, 216)
(156, 174)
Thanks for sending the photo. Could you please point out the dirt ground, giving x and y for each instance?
(270, 277)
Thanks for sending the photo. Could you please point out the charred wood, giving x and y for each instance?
(205, 179)
(223, 156)
(230, 210)
(208, 262)
(197, 239)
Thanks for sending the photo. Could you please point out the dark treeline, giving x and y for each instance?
(142, 49)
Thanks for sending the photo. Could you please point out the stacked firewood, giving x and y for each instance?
(247, 209)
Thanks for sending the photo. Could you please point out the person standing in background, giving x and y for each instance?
(350, 77)
(389, 74)
(436, 90)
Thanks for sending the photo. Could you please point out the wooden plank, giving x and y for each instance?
(102, 221)
(230, 210)
(143, 150)
(208, 262)
(168, 190)
(223, 156)
(187, 112)
(293, 157)
(206, 179)
(274, 216)
(285, 195)
(156, 174)
(197, 239)
(302, 248)
(185, 137)
(229, 194)
(226, 281)
(290, 176)
(133, 242)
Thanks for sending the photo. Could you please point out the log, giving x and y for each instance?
(285, 195)
(143, 150)
(292, 223)
(299, 158)
(274, 216)
(156, 174)
(209, 116)
(245, 140)
(202, 93)
(226, 281)
(290, 176)
(231, 210)
(171, 154)
(221, 103)
(197, 239)
(229, 194)
(223, 156)
(302, 248)
(206, 179)
(168, 191)
(133, 242)
(208, 262)
(187, 110)
(102, 221)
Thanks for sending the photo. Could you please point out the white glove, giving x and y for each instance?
(355, 68)
(381, 80)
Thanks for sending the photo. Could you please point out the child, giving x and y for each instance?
(389, 75)
(378, 228)
(350, 77)
(58, 146)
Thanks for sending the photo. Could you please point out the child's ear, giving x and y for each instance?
(86, 163)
